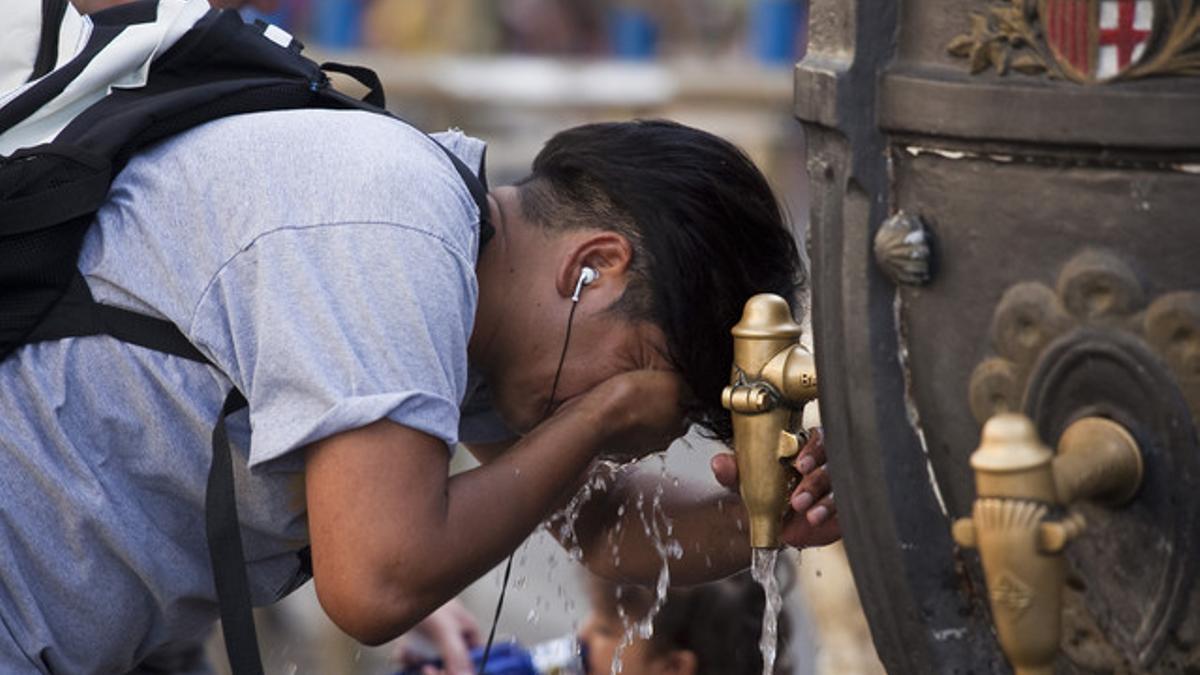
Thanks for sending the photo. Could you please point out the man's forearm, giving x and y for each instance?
(708, 524)
(511, 495)
(391, 543)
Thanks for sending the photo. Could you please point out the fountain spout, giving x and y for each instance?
(1020, 485)
(773, 377)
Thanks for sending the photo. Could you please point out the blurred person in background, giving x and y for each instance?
(564, 27)
(707, 629)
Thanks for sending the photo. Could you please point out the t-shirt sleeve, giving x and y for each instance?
(332, 327)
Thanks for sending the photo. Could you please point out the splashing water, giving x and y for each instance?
(763, 571)
(658, 528)
(562, 524)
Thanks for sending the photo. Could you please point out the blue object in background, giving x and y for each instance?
(288, 16)
(632, 33)
(337, 24)
(777, 30)
(507, 658)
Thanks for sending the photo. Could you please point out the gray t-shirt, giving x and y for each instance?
(324, 261)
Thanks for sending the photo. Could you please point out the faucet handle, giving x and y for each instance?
(789, 446)
(963, 532)
(1053, 536)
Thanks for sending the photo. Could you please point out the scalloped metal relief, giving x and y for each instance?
(1096, 329)
(1094, 289)
(1089, 41)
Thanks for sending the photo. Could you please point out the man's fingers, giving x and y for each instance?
(811, 489)
(724, 468)
(817, 527)
(812, 455)
(825, 510)
(816, 483)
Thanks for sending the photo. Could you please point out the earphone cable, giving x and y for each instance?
(487, 649)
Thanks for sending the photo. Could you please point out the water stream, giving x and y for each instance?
(763, 571)
(658, 528)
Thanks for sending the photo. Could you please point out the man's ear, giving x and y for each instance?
(609, 253)
(677, 662)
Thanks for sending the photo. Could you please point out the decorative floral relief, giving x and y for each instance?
(1084, 40)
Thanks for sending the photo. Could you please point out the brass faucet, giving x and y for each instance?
(1022, 487)
(773, 377)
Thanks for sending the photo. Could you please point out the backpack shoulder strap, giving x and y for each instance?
(77, 314)
(225, 551)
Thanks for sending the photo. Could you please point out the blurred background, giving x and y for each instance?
(512, 72)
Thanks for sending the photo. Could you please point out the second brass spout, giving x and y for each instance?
(773, 377)
(1021, 485)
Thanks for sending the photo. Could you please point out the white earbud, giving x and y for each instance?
(586, 276)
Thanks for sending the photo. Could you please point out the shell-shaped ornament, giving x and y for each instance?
(903, 250)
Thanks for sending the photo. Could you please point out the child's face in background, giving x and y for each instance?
(603, 630)
(602, 633)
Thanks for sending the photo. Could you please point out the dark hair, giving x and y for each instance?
(706, 230)
(719, 622)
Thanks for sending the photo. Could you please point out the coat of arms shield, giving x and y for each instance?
(1096, 39)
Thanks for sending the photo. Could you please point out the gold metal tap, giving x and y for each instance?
(773, 377)
(1021, 486)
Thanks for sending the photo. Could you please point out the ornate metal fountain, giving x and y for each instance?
(1004, 227)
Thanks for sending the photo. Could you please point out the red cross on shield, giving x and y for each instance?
(1096, 39)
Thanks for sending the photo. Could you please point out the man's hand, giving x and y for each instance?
(813, 520)
(641, 411)
(453, 631)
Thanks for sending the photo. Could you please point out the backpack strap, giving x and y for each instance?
(364, 76)
(77, 314)
(225, 550)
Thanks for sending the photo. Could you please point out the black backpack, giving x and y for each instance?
(49, 195)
